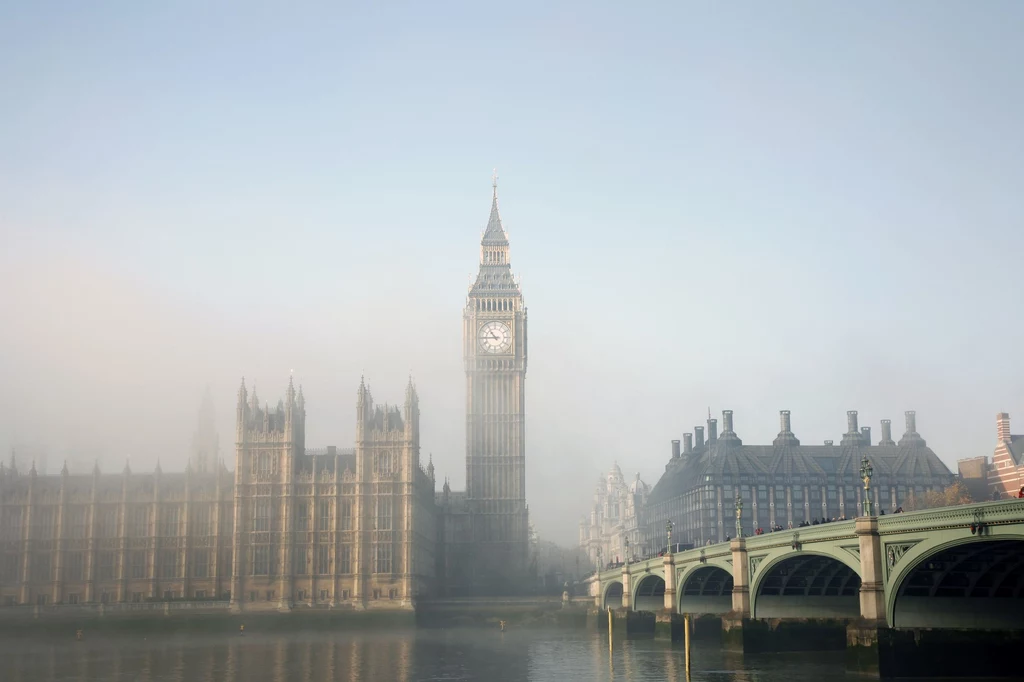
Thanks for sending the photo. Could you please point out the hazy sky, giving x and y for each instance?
(814, 206)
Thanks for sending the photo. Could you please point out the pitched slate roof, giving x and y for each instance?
(911, 460)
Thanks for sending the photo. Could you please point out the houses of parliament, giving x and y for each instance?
(292, 525)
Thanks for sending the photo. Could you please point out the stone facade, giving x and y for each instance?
(296, 526)
(614, 518)
(785, 483)
(291, 527)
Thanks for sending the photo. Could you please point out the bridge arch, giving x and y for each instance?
(805, 584)
(650, 593)
(967, 582)
(705, 588)
(612, 595)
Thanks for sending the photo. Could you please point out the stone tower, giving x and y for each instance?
(205, 441)
(268, 443)
(494, 348)
(387, 469)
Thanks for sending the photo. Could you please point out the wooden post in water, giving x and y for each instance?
(609, 630)
(686, 642)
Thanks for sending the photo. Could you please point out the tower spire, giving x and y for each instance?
(495, 235)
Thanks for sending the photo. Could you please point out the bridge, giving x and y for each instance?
(885, 568)
(956, 567)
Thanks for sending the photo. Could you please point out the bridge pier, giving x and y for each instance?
(740, 578)
(627, 589)
(885, 652)
(668, 626)
(872, 581)
(772, 635)
(670, 582)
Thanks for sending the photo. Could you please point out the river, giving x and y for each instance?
(403, 656)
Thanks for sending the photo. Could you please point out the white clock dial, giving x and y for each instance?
(494, 337)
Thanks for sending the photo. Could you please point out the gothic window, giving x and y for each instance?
(11, 528)
(300, 561)
(39, 569)
(75, 566)
(44, 523)
(264, 463)
(76, 520)
(138, 563)
(261, 560)
(168, 563)
(201, 563)
(382, 463)
(302, 516)
(323, 559)
(325, 515)
(225, 561)
(10, 568)
(106, 526)
(345, 559)
(346, 514)
(168, 521)
(261, 515)
(106, 560)
(138, 521)
(201, 523)
(382, 559)
(384, 508)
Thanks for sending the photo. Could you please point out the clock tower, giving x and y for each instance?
(494, 348)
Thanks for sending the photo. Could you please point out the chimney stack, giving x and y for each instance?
(829, 442)
(865, 432)
(852, 435)
(675, 449)
(785, 436)
(712, 431)
(726, 421)
(911, 437)
(698, 436)
(886, 433)
(1003, 427)
(687, 443)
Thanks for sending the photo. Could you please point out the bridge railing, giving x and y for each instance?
(1001, 511)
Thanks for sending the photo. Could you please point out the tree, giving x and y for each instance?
(954, 494)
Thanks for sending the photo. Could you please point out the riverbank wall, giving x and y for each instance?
(219, 617)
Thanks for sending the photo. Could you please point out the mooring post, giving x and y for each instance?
(686, 642)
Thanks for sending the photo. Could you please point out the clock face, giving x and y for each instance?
(494, 337)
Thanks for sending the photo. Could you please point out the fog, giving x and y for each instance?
(727, 221)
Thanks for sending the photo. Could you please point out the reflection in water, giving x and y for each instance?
(410, 656)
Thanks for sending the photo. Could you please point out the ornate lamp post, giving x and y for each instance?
(866, 470)
(739, 516)
(668, 536)
(627, 551)
(599, 564)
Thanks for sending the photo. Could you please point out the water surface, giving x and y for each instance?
(404, 656)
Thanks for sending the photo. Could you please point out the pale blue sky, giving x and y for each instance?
(814, 206)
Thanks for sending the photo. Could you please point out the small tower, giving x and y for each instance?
(205, 441)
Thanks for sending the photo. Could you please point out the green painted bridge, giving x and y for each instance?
(954, 567)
